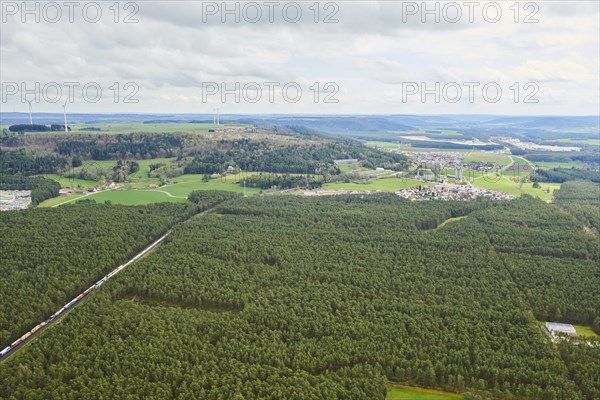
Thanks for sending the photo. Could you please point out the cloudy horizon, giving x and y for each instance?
(331, 58)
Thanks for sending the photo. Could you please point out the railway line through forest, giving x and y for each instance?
(35, 331)
(57, 316)
(29, 335)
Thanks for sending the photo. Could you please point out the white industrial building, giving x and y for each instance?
(557, 331)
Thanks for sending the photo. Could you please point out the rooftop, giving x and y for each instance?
(555, 326)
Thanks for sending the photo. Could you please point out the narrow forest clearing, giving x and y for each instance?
(399, 392)
(450, 220)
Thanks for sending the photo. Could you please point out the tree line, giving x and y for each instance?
(41, 188)
(560, 175)
(582, 200)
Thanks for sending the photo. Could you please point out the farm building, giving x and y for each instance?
(555, 330)
(65, 192)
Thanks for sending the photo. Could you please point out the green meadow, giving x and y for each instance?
(487, 157)
(396, 392)
(139, 126)
(139, 193)
(55, 201)
(384, 184)
(503, 184)
(583, 330)
(549, 165)
(384, 145)
(134, 197)
(72, 183)
(589, 142)
(185, 184)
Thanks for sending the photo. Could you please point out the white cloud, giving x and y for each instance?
(373, 48)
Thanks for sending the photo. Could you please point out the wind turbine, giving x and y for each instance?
(30, 119)
(65, 114)
(218, 122)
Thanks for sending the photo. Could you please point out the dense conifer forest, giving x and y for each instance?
(581, 199)
(50, 255)
(284, 297)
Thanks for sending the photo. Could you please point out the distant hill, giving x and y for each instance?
(547, 122)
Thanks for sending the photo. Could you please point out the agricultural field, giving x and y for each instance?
(383, 145)
(383, 184)
(590, 142)
(138, 193)
(134, 197)
(397, 392)
(487, 157)
(407, 148)
(71, 183)
(107, 165)
(139, 126)
(185, 184)
(550, 165)
(56, 201)
(503, 184)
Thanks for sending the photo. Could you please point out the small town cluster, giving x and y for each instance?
(451, 192)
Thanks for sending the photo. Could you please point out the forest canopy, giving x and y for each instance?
(329, 298)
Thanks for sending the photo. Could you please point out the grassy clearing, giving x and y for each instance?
(386, 185)
(583, 330)
(92, 165)
(384, 145)
(549, 165)
(590, 142)
(488, 157)
(517, 171)
(122, 196)
(137, 192)
(188, 183)
(60, 200)
(503, 184)
(397, 392)
(407, 149)
(134, 197)
(450, 220)
(347, 167)
(519, 161)
(145, 165)
(139, 126)
(71, 183)
(451, 133)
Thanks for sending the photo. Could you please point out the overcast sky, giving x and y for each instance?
(377, 58)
